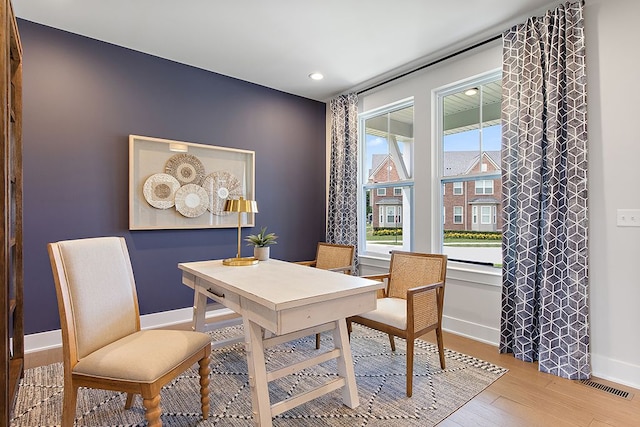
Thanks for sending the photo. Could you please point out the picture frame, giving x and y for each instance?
(183, 185)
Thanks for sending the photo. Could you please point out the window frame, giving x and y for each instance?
(406, 185)
(461, 215)
(483, 208)
(484, 186)
(438, 179)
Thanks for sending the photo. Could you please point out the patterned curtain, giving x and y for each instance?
(544, 162)
(342, 224)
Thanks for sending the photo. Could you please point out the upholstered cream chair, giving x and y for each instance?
(334, 257)
(411, 304)
(103, 346)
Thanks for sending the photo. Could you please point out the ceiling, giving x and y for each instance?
(278, 43)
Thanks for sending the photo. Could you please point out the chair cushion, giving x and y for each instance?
(390, 311)
(143, 356)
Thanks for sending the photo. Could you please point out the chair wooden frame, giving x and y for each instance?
(332, 256)
(417, 297)
(150, 391)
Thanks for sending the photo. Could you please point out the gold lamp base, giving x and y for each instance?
(240, 261)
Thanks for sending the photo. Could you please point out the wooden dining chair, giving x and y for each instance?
(333, 257)
(411, 304)
(103, 346)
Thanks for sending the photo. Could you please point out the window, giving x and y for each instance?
(457, 214)
(386, 141)
(484, 186)
(485, 214)
(391, 214)
(470, 144)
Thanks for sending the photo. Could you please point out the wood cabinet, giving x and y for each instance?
(11, 296)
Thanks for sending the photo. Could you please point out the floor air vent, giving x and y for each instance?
(608, 389)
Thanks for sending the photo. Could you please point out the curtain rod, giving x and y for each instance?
(437, 61)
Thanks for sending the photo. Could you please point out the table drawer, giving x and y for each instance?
(220, 294)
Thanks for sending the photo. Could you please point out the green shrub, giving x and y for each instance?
(473, 235)
(387, 231)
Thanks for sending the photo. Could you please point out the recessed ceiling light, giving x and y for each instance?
(316, 76)
(470, 92)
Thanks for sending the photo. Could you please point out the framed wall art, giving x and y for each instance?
(176, 184)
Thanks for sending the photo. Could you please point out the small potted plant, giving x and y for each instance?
(261, 243)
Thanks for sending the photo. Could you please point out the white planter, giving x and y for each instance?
(261, 253)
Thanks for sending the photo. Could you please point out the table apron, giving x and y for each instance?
(290, 319)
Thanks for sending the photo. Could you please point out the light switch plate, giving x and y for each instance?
(628, 218)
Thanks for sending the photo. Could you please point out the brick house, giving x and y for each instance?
(472, 205)
(386, 203)
(468, 205)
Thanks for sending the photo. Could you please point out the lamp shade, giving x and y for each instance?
(240, 205)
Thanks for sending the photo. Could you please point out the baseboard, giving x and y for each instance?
(474, 331)
(616, 371)
(53, 339)
(49, 340)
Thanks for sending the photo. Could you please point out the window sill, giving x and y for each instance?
(460, 272)
(477, 274)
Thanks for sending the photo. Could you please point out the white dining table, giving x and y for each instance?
(279, 302)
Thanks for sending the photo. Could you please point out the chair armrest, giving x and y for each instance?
(420, 306)
(344, 269)
(382, 293)
(424, 288)
(378, 277)
(307, 263)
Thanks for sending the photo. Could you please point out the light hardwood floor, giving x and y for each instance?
(522, 397)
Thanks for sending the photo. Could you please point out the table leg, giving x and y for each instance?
(199, 310)
(257, 374)
(345, 364)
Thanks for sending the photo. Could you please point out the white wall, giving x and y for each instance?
(472, 302)
(613, 68)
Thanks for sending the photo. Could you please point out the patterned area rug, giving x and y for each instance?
(380, 375)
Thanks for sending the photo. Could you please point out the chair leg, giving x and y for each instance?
(440, 346)
(317, 341)
(204, 372)
(153, 411)
(69, 398)
(129, 401)
(392, 342)
(410, 343)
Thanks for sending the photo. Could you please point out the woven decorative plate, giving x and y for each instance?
(186, 168)
(160, 189)
(220, 186)
(191, 200)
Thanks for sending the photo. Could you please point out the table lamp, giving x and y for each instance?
(240, 205)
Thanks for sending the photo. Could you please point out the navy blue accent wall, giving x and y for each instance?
(82, 99)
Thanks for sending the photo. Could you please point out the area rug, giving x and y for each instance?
(380, 376)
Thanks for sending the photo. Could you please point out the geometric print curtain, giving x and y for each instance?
(342, 215)
(544, 162)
